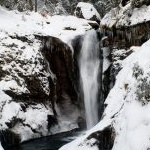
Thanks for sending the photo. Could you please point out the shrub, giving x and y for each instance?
(143, 90)
(137, 71)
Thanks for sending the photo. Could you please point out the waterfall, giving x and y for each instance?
(89, 65)
(1, 148)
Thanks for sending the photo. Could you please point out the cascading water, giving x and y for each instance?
(89, 65)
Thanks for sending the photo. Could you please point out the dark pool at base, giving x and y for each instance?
(46, 143)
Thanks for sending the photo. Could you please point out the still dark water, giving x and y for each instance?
(46, 143)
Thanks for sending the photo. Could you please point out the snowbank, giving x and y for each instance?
(127, 106)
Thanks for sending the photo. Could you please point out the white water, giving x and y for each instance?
(89, 64)
(1, 148)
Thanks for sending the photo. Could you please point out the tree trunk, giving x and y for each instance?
(35, 5)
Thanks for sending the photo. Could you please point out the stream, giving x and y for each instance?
(53, 142)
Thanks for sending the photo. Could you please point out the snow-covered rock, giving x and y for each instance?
(126, 16)
(87, 11)
(127, 111)
(24, 87)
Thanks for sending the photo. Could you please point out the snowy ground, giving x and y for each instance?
(128, 106)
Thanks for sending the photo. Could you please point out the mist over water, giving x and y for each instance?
(89, 63)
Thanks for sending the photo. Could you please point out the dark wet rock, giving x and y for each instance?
(68, 28)
(63, 92)
(81, 123)
(52, 120)
(94, 25)
(104, 139)
(9, 138)
(124, 2)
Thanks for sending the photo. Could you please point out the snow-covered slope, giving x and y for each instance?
(128, 107)
(24, 73)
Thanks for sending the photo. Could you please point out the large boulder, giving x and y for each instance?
(87, 11)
